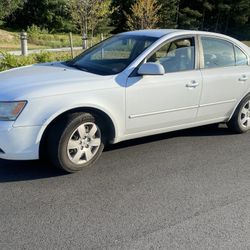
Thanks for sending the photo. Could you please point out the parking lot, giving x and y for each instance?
(183, 190)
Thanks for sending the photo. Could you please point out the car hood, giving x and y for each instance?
(47, 79)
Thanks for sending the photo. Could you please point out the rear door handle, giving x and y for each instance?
(243, 78)
(192, 84)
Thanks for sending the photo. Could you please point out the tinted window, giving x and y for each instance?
(176, 56)
(112, 56)
(241, 58)
(217, 53)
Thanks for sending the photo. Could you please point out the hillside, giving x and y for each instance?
(10, 40)
(8, 36)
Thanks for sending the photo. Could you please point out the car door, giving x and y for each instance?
(169, 100)
(225, 78)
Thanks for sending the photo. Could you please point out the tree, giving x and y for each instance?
(49, 14)
(168, 14)
(189, 18)
(119, 16)
(240, 11)
(231, 17)
(238, 19)
(206, 7)
(189, 14)
(87, 14)
(101, 11)
(8, 7)
(223, 10)
(144, 14)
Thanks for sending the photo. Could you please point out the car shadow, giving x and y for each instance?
(13, 171)
(208, 130)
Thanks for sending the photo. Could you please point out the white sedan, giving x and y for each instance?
(132, 85)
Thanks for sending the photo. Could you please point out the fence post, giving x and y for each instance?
(85, 41)
(24, 43)
(102, 53)
(71, 44)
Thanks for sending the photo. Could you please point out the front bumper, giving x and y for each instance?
(19, 143)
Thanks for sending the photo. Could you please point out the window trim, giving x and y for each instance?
(196, 48)
(248, 62)
(202, 59)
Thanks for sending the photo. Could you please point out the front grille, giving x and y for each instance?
(1, 151)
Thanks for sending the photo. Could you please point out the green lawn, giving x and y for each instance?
(11, 41)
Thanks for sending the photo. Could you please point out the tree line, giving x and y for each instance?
(231, 17)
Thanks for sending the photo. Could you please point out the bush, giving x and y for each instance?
(11, 61)
(42, 37)
(35, 30)
(43, 57)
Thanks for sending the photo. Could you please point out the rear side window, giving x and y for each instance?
(241, 58)
(217, 53)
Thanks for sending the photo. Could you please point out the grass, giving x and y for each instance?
(11, 41)
(10, 61)
(247, 43)
(37, 39)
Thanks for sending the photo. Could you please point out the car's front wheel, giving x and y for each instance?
(240, 122)
(76, 141)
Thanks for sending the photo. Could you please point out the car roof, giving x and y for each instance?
(151, 32)
(158, 33)
(163, 32)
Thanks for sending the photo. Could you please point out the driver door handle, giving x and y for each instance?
(243, 78)
(192, 84)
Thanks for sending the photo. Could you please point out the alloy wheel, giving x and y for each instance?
(245, 115)
(84, 143)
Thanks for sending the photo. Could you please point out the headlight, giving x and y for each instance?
(9, 111)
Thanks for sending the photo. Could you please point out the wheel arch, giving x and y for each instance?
(111, 125)
(238, 103)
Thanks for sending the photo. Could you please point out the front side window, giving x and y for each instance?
(175, 56)
(241, 58)
(217, 53)
(112, 56)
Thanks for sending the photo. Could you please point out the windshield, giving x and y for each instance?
(113, 55)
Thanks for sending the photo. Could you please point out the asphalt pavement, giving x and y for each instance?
(183, 190)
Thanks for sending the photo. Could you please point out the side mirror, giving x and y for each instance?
(151, 69)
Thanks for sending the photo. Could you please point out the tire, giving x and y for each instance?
(76, 141)
(240, 122)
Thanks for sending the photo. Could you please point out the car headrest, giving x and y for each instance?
(183, 43)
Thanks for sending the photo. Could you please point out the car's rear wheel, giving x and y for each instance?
(240, 122)
(76, 141)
